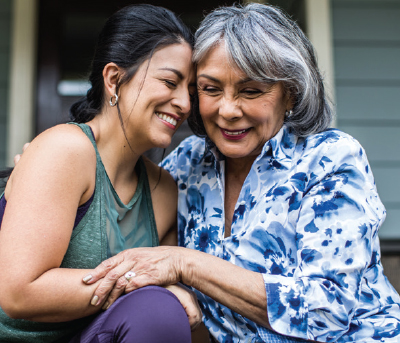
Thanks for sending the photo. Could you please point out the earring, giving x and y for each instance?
(116, 100)
(288, 113)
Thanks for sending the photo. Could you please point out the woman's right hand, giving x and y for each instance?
(18, 157)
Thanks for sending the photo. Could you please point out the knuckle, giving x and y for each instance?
(106, 264)
(121, 283)
(101, 291)
(113, 275)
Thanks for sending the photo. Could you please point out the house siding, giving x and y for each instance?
(366, 38)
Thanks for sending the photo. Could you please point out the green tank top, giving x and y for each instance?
(108, 227)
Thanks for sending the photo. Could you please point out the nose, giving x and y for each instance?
(229, 109)
(182, 101)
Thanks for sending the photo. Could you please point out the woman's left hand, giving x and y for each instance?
(147, 266)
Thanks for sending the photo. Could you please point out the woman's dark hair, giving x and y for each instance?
(129, 37)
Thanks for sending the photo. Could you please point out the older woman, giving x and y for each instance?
(280, 214)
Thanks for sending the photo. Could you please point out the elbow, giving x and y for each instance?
(13, 305)
(12, 310)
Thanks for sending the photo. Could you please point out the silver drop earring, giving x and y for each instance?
(116, 100)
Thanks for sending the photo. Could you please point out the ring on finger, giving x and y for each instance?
(129, 275)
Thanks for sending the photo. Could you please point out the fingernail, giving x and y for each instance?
(87, 278)
(106, 306)
(94, 301)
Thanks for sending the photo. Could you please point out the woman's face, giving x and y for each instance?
(157, 99)
(239, 114)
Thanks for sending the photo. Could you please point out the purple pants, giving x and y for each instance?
(149, 314)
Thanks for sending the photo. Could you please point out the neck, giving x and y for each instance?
(239, 168)
(119, 157)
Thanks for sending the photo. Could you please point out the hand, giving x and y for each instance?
(189, 302)
(18, 157)
(152, 266)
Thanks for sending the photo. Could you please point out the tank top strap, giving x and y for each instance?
(89, 133)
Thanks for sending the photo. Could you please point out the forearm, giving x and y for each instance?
(58, 295)
(239, 289)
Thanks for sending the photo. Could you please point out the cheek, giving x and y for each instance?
(207, 105)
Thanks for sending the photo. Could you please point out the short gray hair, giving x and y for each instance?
(269, 47)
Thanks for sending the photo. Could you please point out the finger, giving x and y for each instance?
(108, 283)
(196, 319)
(16, 159)
(25, 146)
(139, 281)
(116, 292)
(103, 269)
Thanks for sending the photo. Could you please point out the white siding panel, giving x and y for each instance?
(368, 103)
(362, 28)
(367, 63)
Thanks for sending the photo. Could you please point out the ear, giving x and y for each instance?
(289, 100)
(111, 76)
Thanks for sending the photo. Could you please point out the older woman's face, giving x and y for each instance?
(240, 115)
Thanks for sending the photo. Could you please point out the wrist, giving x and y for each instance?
(184, 265)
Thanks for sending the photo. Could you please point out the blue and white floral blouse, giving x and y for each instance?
(307, 219)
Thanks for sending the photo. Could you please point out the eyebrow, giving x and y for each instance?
(177, 72)
(208, 77)
(247, 79)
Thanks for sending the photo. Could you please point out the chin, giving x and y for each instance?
(234, 154)
(163, 143)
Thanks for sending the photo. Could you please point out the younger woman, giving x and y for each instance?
(82, 193)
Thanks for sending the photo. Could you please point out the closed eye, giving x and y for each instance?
(209, 90)
(251, 91)
(170, 83)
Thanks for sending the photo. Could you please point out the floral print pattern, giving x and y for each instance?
(307, 219)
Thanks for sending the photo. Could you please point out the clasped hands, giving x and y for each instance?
(135, 268)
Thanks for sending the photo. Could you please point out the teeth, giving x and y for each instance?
(234, 133)
(166, 118)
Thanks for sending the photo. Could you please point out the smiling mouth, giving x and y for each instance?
(234, 133)
(167, 118)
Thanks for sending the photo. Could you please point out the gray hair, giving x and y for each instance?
(268, 47)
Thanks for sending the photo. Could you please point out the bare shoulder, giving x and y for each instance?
(164, 196)
(63, 149)
(70, 138)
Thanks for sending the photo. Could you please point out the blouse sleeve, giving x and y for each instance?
(336, 236)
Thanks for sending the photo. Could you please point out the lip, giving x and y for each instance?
(167, 119)
(234, 135)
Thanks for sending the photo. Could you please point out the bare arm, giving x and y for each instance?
(42, 195)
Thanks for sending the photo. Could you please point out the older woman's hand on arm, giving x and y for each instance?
(235, 287)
